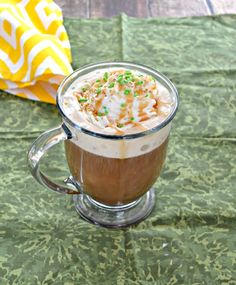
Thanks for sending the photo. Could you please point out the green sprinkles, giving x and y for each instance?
(147, 95)
(100, 114)
(83, 100)
(98, 80)
(139, 83)
(98, 91)
(105, 110)
(128, 72)
(128, 77)
(132, 119)
(105, 76)
(120, 125)
(127, 91)
(135, 94)
(111, 85)
(122, 105)
(84, 89)
(120, 79)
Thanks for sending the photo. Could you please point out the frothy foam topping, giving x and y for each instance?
(117, 101)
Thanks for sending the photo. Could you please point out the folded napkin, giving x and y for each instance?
(34, 49)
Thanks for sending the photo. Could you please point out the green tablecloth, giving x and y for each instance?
(190, 238)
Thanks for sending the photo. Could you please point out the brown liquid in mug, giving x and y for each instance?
(113, 181)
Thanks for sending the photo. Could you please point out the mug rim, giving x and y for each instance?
(125, 64)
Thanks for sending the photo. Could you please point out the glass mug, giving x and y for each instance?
(111, 185)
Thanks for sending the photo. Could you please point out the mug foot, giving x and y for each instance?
(114, 216)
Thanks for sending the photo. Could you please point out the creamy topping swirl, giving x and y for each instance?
(120, 100)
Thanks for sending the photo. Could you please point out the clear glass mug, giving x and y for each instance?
(111, 185)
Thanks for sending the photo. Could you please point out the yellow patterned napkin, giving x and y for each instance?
(34, 49)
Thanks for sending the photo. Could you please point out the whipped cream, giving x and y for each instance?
(117, 101)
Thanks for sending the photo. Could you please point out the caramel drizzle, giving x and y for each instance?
(125, 111)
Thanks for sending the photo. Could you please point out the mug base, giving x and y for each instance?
(114, 216)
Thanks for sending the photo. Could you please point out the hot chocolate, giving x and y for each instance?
(114, 181)
(116, 119)
(117, 102)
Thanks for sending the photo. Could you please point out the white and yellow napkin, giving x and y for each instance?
(34, 49)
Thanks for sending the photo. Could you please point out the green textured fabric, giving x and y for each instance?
(190, 237)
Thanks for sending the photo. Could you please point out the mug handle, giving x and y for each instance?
(39, 147)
